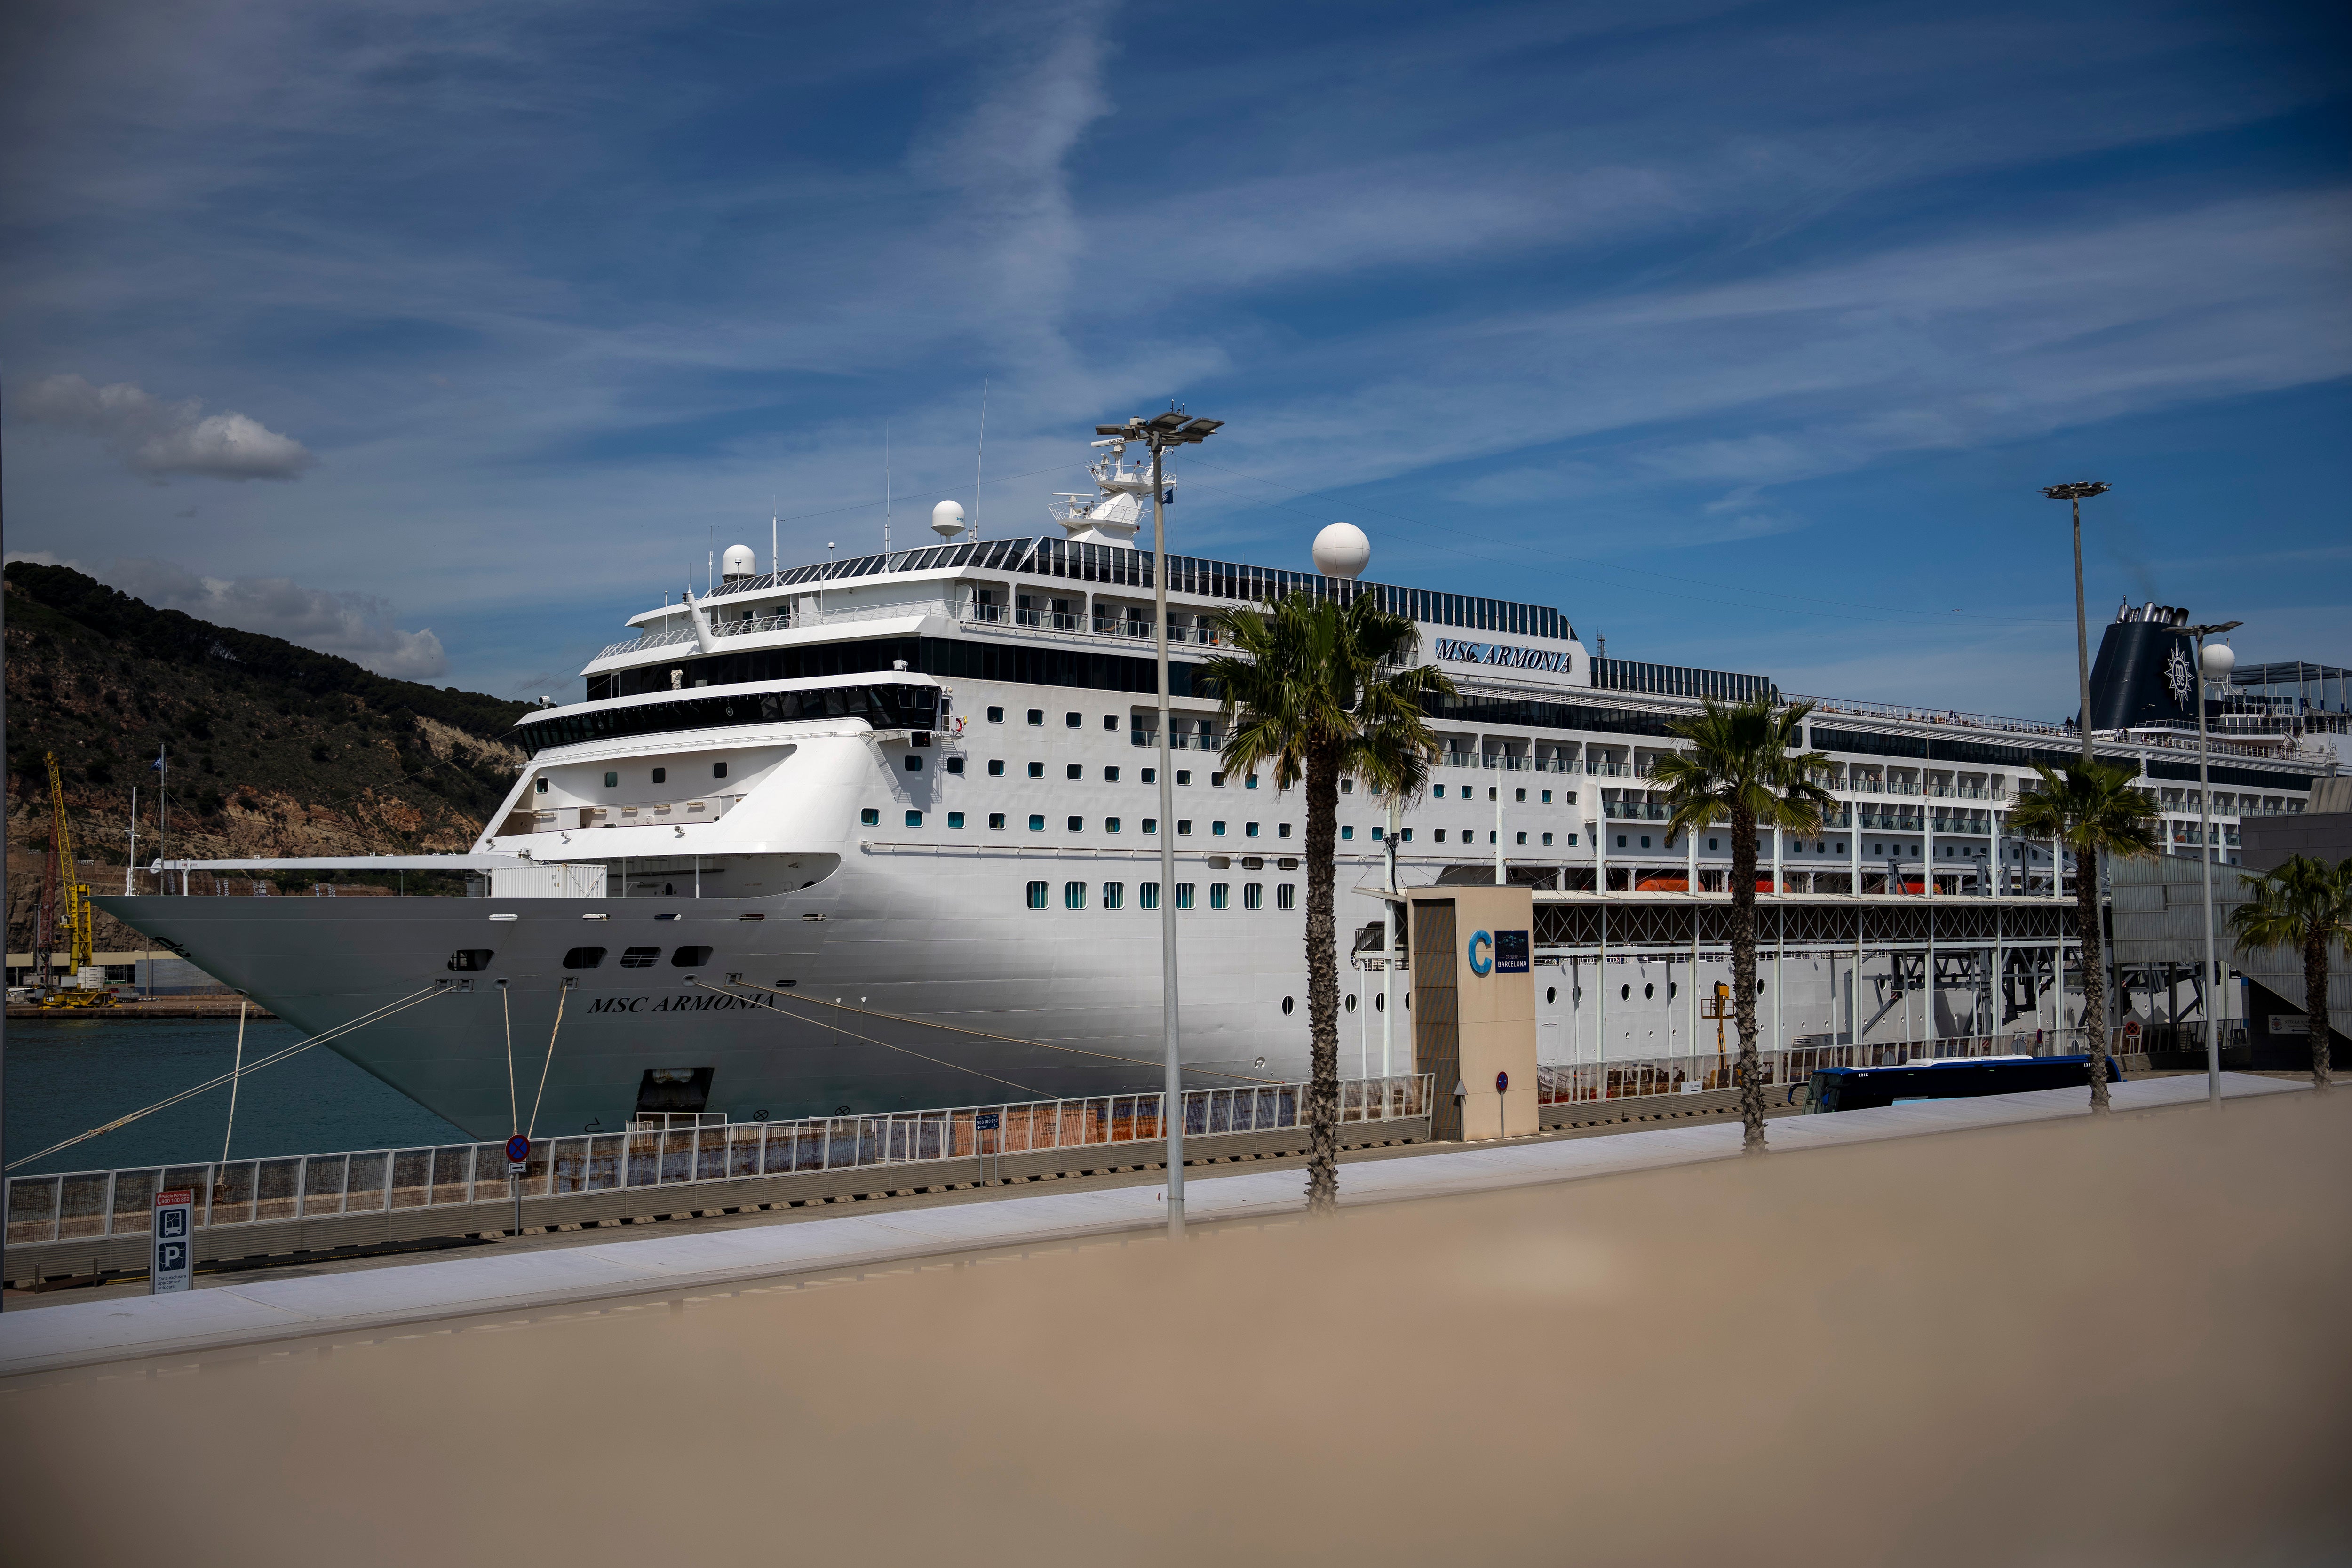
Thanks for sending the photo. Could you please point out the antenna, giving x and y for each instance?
(979, 459)
(886, 487)
(775, 566)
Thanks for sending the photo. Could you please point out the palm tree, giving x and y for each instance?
(1743, 765)
(2304, 903)
(1317, 693)
(2092, 810)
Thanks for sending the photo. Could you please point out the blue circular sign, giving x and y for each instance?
(1502, 1083)
(1481, 965)
(518, 1147)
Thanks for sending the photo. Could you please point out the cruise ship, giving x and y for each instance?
(884, 832)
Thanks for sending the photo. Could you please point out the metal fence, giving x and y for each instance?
(1632, 1076)
(97, 1203)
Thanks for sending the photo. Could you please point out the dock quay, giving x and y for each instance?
(504, 1280)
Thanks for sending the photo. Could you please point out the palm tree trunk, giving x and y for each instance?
(2314, 1007)
(1743, 978)
(2095, 989)
(1322, 983)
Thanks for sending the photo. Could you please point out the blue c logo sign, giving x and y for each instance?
(1482, 962)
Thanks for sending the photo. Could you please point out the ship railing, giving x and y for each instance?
(1783, 1069)
(1211, 742)
(96, 1204)
(650, 639)
(737, 628)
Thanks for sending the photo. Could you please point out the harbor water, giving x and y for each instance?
(68, 1075)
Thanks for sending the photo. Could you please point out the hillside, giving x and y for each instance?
(275, 749)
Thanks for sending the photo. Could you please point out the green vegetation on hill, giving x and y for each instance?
(276, 749)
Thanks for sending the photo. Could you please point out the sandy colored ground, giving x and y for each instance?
(2060, 1345)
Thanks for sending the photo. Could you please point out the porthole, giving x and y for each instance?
(1577, 995)
(1287, 1004)
(1551, 993)
(996, 715)
(661, 776)
(1672, 990)
(1351, 1002)
(914, 763)
(1379, 1002)
(539, 785)
(612, 781)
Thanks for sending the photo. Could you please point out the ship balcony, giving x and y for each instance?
(643, 813)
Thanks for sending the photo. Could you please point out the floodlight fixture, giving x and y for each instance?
(2077, 490)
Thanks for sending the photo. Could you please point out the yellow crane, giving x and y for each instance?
(72, 907)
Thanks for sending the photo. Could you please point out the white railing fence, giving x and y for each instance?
(95, 1204)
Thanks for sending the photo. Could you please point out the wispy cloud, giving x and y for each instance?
(160, 439)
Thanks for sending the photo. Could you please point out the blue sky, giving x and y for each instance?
(447, 336)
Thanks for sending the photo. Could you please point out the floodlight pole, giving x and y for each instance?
(2073, 493)
(1161, 432)
(2212, 984)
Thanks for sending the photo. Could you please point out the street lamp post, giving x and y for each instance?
(1160, 432)
(2214, 664)
(2085, 865)
(2073, 492)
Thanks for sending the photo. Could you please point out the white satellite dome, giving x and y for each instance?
(947, 520)
(1342, 550)
(738, 562)
(2220, 660)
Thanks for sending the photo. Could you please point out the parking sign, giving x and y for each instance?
(174, 1265)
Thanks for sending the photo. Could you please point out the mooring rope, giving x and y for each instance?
(400, 1005)
(1009, 1039)
(952, 1067)
(541, 1096)
(235, 1078)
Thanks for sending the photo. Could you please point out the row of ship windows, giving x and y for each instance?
(613, 779)
(1076, 772)
(1113, 894)
(474, 960)
(871, 816)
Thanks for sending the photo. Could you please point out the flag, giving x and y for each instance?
(157, 765)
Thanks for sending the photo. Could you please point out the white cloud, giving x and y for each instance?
(158, 438)
(358, 626)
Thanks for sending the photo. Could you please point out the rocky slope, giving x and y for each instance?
(275, 749)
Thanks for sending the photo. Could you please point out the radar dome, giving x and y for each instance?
(947, 520)
(738, 562)
(2220, 660)
(1342, 550)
